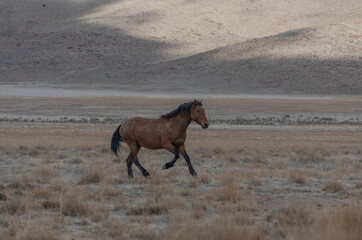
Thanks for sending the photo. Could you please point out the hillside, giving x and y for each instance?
(229, 47)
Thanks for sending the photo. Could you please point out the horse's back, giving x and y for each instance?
(146, 132)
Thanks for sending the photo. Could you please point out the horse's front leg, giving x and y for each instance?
(172, 162)
(183, 152)
(166, 144)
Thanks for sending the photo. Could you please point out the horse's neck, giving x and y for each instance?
(182, 122)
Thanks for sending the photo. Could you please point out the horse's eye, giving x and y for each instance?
(197, 111)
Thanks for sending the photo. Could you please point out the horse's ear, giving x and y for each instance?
(194, 104)
(201, 101)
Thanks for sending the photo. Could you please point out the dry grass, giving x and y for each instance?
(75, 207)
(42, 192)
(13, 207)
(44, 174)
(290, 217)
(344, 223)
(255, 181)
(4, 197)
(298, 175)
(22, 182)
(50, 204)
(246, 188)
(92, 175)
(259, 156)
(218, 150)
(105, 191)
(308, 155)
(220, 229)
(148, 210)
(117, 230)
(333, 186)
(198, 208)
(161, 204)
(75, 203)
(31, 229)
(39, 234)
(230, 190)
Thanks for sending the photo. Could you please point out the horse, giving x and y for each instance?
(167, 132)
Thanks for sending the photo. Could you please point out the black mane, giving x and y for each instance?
(182, 108)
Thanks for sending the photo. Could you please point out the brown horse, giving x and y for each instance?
(167, 132)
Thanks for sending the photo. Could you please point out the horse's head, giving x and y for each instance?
(198, 114)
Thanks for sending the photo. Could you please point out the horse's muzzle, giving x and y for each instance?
(206, 125)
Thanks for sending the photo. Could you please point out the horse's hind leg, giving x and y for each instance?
(129, 163)
(138, 164)
(129, 166)
(134, 152)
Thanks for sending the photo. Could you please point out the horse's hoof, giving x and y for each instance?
(148, 176)
(164, 167)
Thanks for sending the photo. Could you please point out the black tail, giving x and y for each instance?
(115, 140)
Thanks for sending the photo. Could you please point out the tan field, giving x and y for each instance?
(272, 181)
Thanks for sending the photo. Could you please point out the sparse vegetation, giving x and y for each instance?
(298, 175)
(222, 228)
(242, 191)
(343, 223)
(149, 210)
(73, 205)
(13, 207)
(92, 175)
(333, 186)
(230, 190)
(290, 217)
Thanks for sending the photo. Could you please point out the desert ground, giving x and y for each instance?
(262, 177)
(282, 88)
